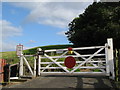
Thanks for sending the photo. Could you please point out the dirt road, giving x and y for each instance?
(69, 82)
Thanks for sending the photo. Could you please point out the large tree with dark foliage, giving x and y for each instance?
(99, 21)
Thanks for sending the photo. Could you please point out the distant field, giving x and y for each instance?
(12, 58)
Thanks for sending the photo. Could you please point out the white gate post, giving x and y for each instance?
(39, 62)
(34, 66)
(21, 66)
(19, 52)
(107, 61)
(111, 57)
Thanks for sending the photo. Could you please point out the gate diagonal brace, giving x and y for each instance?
(87, 59)
(28, 65)
(55, 60)
(56, 63)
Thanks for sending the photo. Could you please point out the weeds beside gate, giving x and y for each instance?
(117, 64)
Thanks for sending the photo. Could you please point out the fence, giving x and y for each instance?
(11, 72)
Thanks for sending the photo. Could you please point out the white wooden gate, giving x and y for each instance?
(100, 62)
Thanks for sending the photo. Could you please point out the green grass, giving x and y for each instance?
(10, 57)
(34, 50)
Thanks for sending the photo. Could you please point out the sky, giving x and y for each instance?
(37, 23)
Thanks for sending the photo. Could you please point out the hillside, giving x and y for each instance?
(12, 58)
(34, 50)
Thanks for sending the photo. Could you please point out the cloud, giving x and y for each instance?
(31, 42)
(7, 31)
(57, 14)
(62, 33)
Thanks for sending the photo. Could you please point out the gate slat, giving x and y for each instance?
(74, 56)
(75, 73)
(74, 67)
(80, 48)
(76, 62)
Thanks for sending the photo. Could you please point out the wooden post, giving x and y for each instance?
(39, 65)
(119, 65)
(19, 52)
(39, 62)
(107, 62)
(21, 66)
(111, 57)
(34, 66)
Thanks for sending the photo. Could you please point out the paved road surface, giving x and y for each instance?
(66, 82)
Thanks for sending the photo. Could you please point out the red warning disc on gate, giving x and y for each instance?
(70, 62)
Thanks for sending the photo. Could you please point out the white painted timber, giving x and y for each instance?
(28, 65)
(87, 67)
(87, 59)
(55, 60)
(35, 66)
(74, 56)
(11, 78)
(75, 73)
(111, 57)
(81, 48)
(107, 62)
(39, 64)
(76, 62)
(21, 66)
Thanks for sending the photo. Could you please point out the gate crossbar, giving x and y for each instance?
(87, 59)
(76, 62)
(80, 48)
(56, 63)
(28, 65)
(55, 60)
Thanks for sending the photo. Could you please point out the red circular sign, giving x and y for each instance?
(70, 49)
(70, 62)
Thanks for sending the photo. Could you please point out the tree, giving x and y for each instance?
(99, 21)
